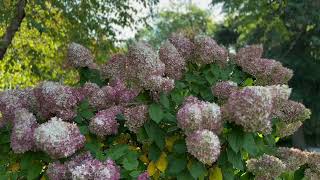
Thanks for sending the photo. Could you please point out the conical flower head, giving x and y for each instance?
(266, 167)
(22, 135)
(198, 115)
(104, 122)
(251, 108)
(79, 56)
(58, 139)
(173, 60)
(204, 145)
(208, 51)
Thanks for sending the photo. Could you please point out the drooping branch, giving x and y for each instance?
(12, 28)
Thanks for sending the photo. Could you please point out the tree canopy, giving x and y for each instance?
(291, 32)
(36, 50)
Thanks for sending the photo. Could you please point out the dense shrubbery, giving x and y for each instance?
(193, 111)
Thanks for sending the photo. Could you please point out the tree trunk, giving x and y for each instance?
(12, 28)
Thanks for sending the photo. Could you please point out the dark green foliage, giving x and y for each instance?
(289, 30)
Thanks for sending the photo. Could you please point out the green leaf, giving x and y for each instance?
(130, 164)
(117, 151)
(249, 144)
(197, 169)
(164, 101)
(84, 105)
(235, 159)
(177, 97)
(180, 147)
(156, 112)
(4, 138)
(130, 161)
(228, 173)
(86, 114)
(168, 117)
(155, 133)
(135, 174)
(26, 161)
(248, 82)
(84, 130)
(34, 171)
(154, 152)
(142, 135)
(176, 164)
(235, 139)
(185, 175)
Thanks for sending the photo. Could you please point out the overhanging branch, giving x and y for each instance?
(12, 28)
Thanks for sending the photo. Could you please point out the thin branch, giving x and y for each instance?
(12, 28)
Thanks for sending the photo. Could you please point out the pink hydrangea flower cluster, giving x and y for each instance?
(143, 176)
(284, 129)
(174, 62)
(104, 122)
(57, 138)
(196, 115)
(79, 56)
(291, 111)
(204, 145)
(140, 68)
(114, 94)
(222, 90)
(208, 51)
(314, 161)
(84, 166)
(54, 99)
(12, 100)
(24, 125)
(266, 71)
(135, 117)
(184, 45)
(292, 157)
(253, 107)
(266, 167)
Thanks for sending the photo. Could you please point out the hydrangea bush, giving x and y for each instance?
(190, 110)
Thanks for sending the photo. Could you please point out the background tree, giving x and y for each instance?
(291, 31)
(48, 26)
(181, 17)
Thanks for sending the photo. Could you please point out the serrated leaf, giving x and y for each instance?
(130, 164)
(135, 174)
(130, 160)
(185, 175)
(215, 174)
(151, 168)
(156, 134)
(162, 162)
(176, 164)
(180, 147)
(154, 153)
(164, 101)
(235, 140)
(34, 171)
(84, 130)
(248, 82)
(228, 174)
(86, 114)
(235, 159)
(249, 144)
(197, 169)
(117, 151)
(156, 112)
